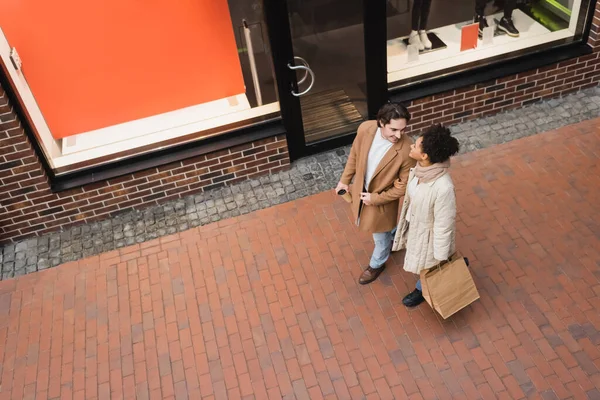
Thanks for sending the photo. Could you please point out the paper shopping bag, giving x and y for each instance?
(450, 287)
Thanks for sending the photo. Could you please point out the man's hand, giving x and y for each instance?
(366, 198)
(342, 186)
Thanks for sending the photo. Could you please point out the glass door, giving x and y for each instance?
(328, 37)
(319, 60)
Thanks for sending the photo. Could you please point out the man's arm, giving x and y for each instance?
(399, 188)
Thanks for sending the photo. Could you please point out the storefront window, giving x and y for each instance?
(108, 80)
(430, 38)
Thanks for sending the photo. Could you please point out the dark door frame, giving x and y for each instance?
(280, 39)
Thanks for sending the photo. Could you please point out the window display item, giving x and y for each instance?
(412, 53)
(488, 36)
(424, 41)
(481, 20)
(252, 60)
(420, 39)
(506, 24)
(418, 35)
(415, 40)
(420, 14)
(468, 37)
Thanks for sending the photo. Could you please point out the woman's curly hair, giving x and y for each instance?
(439, 144)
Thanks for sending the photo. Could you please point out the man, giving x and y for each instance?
(379, 164)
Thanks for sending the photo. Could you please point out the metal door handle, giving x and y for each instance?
(305, 63)
(312, 76)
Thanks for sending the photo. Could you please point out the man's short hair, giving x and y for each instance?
(390, 111)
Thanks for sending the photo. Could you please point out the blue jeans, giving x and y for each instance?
(419, 287)
(383, 248)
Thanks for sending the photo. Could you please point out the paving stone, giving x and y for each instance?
(22, 246)
(8, 266)
(244, 210)
(8, 257)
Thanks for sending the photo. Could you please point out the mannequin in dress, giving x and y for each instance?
(418, 35)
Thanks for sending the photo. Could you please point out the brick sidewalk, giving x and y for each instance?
(266, 305)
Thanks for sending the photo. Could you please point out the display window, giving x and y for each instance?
(107, 80)
(430, 38)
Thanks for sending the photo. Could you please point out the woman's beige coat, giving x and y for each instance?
(430, 237)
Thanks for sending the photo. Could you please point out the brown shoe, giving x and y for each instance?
(370, 274)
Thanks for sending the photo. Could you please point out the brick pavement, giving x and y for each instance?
(307, 176)
(266, 305)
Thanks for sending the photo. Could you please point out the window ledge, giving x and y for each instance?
(490, 70)
(266, 129)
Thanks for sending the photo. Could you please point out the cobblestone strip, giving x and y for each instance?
(307, 176)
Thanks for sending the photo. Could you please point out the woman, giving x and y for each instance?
(427, 220)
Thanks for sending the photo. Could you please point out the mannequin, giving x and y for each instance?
(418, 35)
(506, 23)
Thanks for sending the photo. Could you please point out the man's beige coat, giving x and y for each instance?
(387, 185)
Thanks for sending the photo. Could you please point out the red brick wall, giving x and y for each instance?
(28, 207)
(502, 94)
(594, 39)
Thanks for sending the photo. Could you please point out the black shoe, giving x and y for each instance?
(482, 23)
(413, 299)
(507, 26)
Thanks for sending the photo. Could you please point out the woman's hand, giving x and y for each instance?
(441, 263)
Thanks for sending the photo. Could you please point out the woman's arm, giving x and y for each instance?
(444, 223)
(399, 187)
